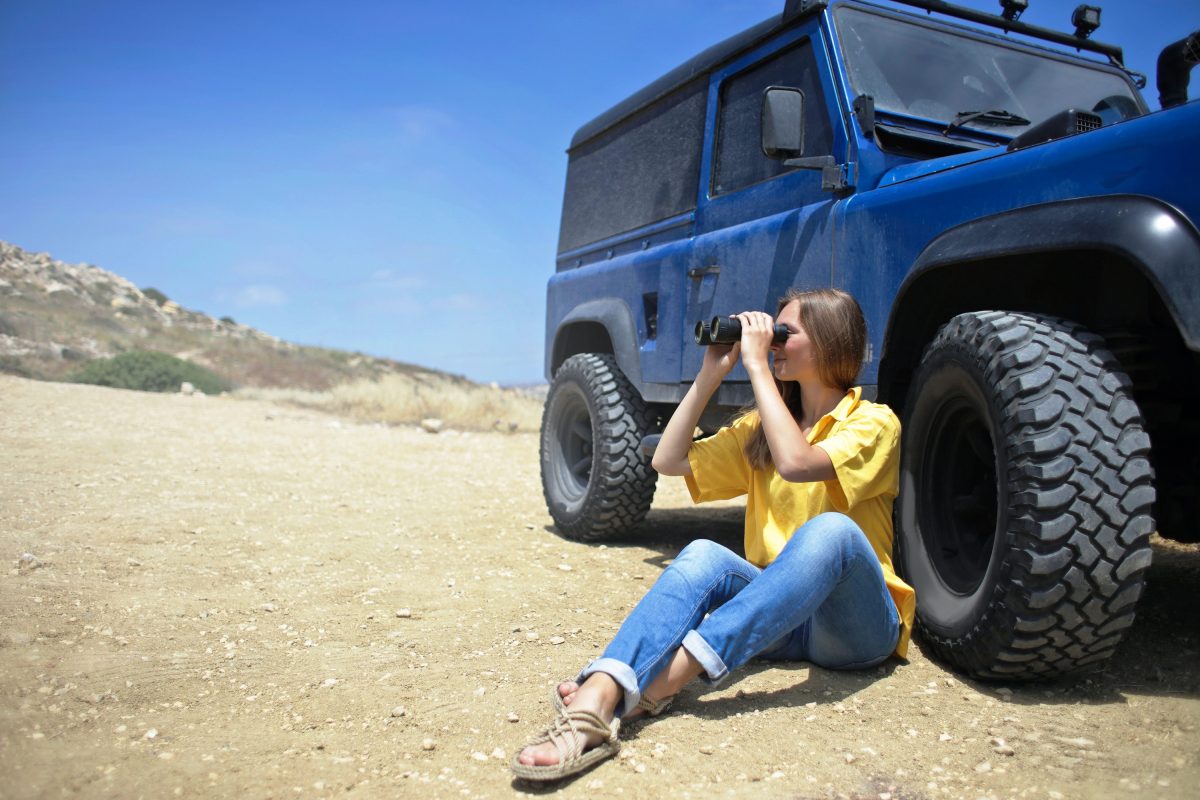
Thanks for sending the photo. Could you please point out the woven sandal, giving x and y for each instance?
(651, 707)
(563, 733)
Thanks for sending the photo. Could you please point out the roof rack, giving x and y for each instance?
(1114, 52)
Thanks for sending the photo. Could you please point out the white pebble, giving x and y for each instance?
(404, 613)
(557, 640)
(512, 717)
(399, 711)
(478, 756)
(150, 734)
(428, 744)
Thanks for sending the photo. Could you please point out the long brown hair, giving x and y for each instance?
(835, 324)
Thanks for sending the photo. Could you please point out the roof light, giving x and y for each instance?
(1085, 19)
(1013, 9)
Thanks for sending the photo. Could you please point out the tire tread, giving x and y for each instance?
(1080, 485)
(622, 482)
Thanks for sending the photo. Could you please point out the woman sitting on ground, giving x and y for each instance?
(820, 468)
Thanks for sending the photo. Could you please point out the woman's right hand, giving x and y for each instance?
(720, 359)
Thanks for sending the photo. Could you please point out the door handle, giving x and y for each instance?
(699, 272)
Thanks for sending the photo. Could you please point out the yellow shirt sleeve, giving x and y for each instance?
(862, 452)
(719, 468)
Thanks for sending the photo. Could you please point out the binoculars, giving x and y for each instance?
(727, 330)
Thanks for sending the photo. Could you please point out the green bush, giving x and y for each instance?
(11, 365)
(149, 371)
(155, 295)
(228, 320)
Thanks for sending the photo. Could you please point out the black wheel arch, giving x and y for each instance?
(603, 325)
(1114, 261)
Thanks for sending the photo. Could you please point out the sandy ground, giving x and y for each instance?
(233, 599)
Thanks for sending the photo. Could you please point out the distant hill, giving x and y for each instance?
(55, 316)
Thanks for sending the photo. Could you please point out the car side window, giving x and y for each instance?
(641, 170)
(740, 160)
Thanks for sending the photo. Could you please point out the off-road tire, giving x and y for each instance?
(597, 482)
(1024, 514)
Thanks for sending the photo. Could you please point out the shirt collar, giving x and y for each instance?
(839, 414)
(847, 404)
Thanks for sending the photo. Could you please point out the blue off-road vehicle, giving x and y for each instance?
(1020, 230)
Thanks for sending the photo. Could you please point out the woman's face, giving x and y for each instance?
(795, 359)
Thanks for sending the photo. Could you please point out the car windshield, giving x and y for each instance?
(933, 74)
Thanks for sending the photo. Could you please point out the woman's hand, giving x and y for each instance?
(758, 332)
(720, 359)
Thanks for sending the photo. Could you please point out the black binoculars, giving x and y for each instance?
(727, 330)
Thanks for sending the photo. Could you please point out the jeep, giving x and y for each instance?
(1020, 231)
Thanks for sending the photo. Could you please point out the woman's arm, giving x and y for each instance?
(795, 459)
(671, 455)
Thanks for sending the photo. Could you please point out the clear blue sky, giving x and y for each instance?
(368, 175)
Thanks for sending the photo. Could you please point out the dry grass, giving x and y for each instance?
(406, 399)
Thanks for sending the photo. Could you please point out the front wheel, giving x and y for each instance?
(1024, 515)
(597, 482)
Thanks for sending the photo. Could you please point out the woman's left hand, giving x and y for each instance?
(758, 332)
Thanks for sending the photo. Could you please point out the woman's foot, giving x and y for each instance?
(598, 694)
(567, 689)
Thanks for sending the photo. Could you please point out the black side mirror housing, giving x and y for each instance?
(782, 122)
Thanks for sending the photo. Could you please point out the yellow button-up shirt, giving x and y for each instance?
(863, 442)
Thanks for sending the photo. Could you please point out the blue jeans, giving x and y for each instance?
(823, 599)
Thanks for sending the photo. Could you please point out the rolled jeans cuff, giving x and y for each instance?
(715, 671)
(620, 672)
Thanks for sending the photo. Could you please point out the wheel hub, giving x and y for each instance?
(961, 492)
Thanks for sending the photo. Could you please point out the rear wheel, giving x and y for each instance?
(1024, 515)
(597, 482)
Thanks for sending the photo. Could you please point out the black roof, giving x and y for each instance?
(794, 11)
(694, 66)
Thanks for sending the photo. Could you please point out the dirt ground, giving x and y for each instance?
(225, 598)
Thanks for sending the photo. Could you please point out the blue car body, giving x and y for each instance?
(741, 250)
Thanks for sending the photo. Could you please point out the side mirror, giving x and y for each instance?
(782, 122)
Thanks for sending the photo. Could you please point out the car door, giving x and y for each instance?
(761, 227)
